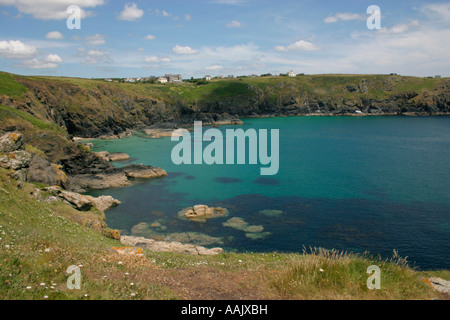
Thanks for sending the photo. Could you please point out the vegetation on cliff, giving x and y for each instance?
(94, 108)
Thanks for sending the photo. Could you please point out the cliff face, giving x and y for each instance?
(94, 108)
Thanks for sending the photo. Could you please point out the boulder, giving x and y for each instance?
(11, 141)
(104, 203)
(78, 201)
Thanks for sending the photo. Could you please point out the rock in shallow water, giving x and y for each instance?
(202, 212)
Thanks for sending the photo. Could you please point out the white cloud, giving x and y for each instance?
(13, 49)
(214, 67)
(52, 9)
(234, 24)
(439, 11)
(157, 59)
(183, 50)
(50, 62)
(150, 37)
(95, 40)
(187, 17)
(345, 16)
(401, 27)
(53, 58)
(94, 56)
(131, 12)
(55, 35)
(298, 46)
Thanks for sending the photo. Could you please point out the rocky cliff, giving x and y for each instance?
(95, 108)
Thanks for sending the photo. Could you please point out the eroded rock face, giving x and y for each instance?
(42, 171)
(11, 141)
(16, 160)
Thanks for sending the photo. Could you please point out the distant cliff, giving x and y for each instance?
(94, 108)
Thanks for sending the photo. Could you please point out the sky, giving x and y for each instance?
(195, 38)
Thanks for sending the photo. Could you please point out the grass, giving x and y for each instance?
(10, 87)
(40, 240)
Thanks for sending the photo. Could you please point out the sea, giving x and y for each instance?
(367, 185)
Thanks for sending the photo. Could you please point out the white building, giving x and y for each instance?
(208, 78)
(162, 80)
(292, 74)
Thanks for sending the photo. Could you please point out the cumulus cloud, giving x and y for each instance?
(52, 61)
(51, 9)
(13, 49)
(298, 46)
(345, 16)
(55, 35)
(150, 37)
(131, 12)
(183, 50)
(234, 24)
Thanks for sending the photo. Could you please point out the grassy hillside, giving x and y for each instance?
(92, 107)
(40, 240)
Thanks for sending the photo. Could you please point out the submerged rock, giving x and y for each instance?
(271, 213)
(195, 238)
(236, 223)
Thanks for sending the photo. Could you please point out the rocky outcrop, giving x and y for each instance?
(82, 202)
(202, 212)
(42, 171)
(115, 156)
(139, 171)
(28, 166)
(114, 177)
(168, 246)
(11, 141)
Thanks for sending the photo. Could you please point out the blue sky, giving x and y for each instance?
(239, 37)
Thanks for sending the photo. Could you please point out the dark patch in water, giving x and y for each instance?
(189, 178)
(266, 181)
(227, 180)
(172, 175)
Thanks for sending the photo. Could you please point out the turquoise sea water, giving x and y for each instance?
(352, 183)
